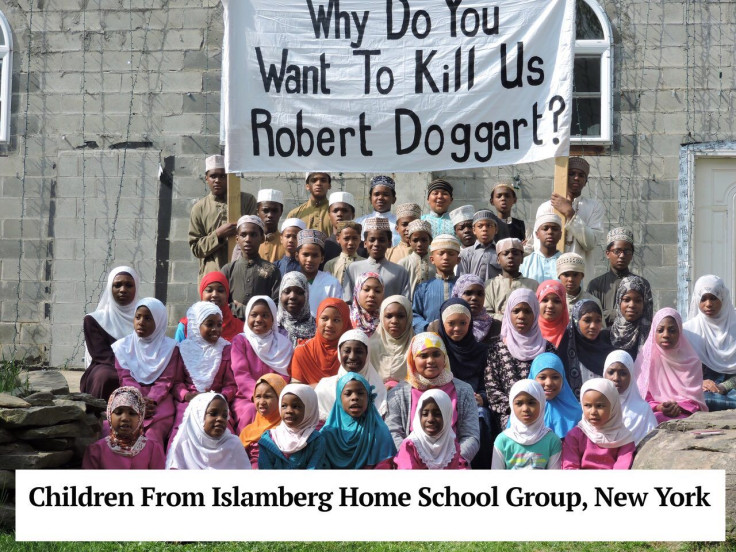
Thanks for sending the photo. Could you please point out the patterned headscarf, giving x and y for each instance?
(631, 336)
(422, 342)
(362, 319)
(482, 322)
(303, 325)
(130, 397)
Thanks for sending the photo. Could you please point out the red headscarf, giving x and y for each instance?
(231, 326)
(317, 358)
(554, 330)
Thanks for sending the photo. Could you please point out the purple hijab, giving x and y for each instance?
(482, 322)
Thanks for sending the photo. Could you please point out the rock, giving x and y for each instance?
(6, 436)
(72, 404)
(39, 415)
(9, 401)
(48, 381)
(93, 403)
(20, 456)
(93, 421)
(51, 444)
(41, 399)
(7, 480)
(76, 429)
(672, 446)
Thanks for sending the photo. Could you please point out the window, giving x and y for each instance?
(591, 96)
(6, 72)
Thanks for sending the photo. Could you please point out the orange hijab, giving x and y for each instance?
(554, 330)
(231, 326)
(317, 358)
(253, 431)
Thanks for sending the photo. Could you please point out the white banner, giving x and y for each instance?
(395, 85)
(370, 505)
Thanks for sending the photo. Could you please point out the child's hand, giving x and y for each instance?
(150, 407)
(670, 409)
(226, 230)
(478, 399)
(710, 385)
(189, 396)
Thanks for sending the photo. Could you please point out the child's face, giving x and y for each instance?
(330, 324)
(619, 255)
(596, 408)
(395, 320)
(354, 399)
(260, 320)
(143, 323)
(484, 230)
(401, 226)
(620, 376)
(353, 355)
(549, 234)
(590, 325)
(215, 293)
(124, 420)
(293, 299)
(667, 333)
(439, 201)
(310, 256)
(215, 418)
(382, 198)
(270, 212)
(475, 295)
(571, 280)
(445, 260)
(457, 326)
(349, 240)
(250, 238)
(430, 418)
(632, 306)
(430, 362)
(340, 211)
(123, 289)
(419, 242)
(522, 317)
(217, 182)
(377, 242)
(526, 408)
(370, 295)
(292, 410)
(503, 199)
(710, 305)
(550, 307)
(510, 260)
(464, 232)
(265, 399)
(211, 328)
(289, 239)
(551, 382)
(318, 185)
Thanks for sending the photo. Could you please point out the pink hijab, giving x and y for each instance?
(526, 346)
(670, 375)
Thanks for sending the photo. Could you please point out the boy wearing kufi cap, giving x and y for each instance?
(383, 195)
(314, 211)
(462, 221)
(290, 229)
(269, 207)
(406, 213)
(510, 253)
(541, 264)
(480, 259)
(417, 263)
(311, 254)
(570, 272)
(439, 197)
(341, 208)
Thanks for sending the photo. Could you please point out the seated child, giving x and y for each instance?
(290, 229)
(204, 441)
(348, 237)
(417, 263)
(294, 444)
(293, 314)
(481, 258)
(429, 296)
(462, 222)
(510, 253)
(391, 342)
(600, 441)
(406, 213)
(310, 252)
(125, 448)
(367, 298)
(527, 444)
(266, 400)
(562, 412)
(215, 289)
(354, 434)
(432, 444)
(541, 264)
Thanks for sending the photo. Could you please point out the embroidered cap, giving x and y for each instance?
(461, 214)
(383, 181)
(252, 219)
(288, 223)
(570, 262)
(276, 196)
(408, 210)
(311, 236)
(445, 241)
(419, 226)
(619, 234)
(376, 223)
(214, 162)
(509, 243)
(580, 164)
(342, 197)
(504, 184)
(484, 214)
(309, 173)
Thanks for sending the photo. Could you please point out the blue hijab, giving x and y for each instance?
(352, 444)
(563, 412)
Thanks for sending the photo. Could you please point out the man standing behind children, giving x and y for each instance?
(314, 212)
(406, 213)
(480, 259)
(510, 253)
(429, 296)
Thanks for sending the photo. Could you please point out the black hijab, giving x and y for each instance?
(467, 356)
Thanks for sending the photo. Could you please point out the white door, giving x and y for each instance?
(714, 232)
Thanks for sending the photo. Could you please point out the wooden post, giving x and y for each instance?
(560, 188)
(233, 208)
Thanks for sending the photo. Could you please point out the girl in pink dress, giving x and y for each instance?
(125, 448)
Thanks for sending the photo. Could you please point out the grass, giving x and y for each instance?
(10, 371)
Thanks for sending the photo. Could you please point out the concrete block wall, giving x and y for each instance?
(105, 92)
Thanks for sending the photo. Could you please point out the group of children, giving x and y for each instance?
(452, 342)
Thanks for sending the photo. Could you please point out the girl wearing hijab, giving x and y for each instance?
(317, 357)
(584, 347)
(294, 444)
(527, 444)
(553, 315)
(125, 448)
(367, 299)
(293, 315)
(215, 288)
(204, 441)
(600, 441)
(149, 361)
(260, 349)
(562, 411)
(468, 362)
(390, 343)
(206, 360)
(112, 320)
(633, 318)
(638, 416)
(266, 401)
(471, 288)
(711, 330)
(510, 356)
(354, 354)
(670, 372)
(355, 436)
(429, 368)
(432, 444)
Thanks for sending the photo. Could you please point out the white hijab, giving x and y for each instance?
(273, 348)
(614, 433)
(193, 449)
(638, 416)
(327, 387)
(438, 451)
(517, 431)
(713, 338)
(146, 357)
(290, 440)
(201, 358)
